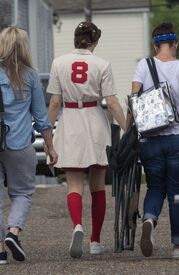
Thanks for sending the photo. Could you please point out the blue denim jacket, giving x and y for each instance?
(21, 111)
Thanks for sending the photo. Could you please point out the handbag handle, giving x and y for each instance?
(153, 71)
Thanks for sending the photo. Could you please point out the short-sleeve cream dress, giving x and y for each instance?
(82, 134)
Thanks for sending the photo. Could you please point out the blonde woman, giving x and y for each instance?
(23, 99)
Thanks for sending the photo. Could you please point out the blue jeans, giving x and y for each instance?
(160, 158)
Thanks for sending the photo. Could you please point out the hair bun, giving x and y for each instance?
(87, 31)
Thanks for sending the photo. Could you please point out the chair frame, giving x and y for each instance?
(126, 190)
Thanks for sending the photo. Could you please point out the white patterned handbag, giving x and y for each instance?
(155, 108)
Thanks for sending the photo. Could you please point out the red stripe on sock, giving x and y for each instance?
(98, 210)
(74, 203)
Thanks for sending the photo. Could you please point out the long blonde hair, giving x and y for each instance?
(15, 55)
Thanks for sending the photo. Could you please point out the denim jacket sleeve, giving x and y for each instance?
(38, 106)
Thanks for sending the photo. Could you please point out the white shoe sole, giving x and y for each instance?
(175, 254)
(17, 253)
(146, 244)
(76, 249)
(97, 251)
(3, 262)
(175, 257)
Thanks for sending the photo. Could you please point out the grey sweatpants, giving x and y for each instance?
(19, 167)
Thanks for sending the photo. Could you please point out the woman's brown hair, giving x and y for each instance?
(15, 55)
(162, 29)
(86, 34)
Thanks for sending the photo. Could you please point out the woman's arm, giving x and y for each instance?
(136, 86)
(115, 109)
(54, 108)
(39, 113)
(47, 136)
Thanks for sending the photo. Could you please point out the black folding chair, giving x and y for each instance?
(126, 169)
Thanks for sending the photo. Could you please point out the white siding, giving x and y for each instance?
(63, 37)
(44, 37)
(41, 35)
(23, 14)
(122, 43)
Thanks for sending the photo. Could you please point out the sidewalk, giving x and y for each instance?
(48, 233)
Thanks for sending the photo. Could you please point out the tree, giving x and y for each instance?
(165, 11)
(173, 2)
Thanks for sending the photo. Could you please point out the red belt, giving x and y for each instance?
(80, 104)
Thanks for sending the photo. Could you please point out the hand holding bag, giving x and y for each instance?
(4, 129)
(154, 109)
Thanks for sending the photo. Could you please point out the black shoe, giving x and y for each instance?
(15, 247)
(3, 257)
(146, 242)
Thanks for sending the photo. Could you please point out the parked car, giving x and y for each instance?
(42, 167)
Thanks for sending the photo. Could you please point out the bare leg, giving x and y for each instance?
(75, 182)
(2, 246)
(14, 230)
(97, 179)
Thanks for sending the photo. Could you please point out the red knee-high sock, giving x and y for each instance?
(98, 210)
(74, 203)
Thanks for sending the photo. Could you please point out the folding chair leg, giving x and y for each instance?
(118, 199)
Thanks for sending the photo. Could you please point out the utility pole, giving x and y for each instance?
(88, 10)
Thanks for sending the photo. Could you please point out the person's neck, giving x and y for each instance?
(91, 48)
(166, 54)
(165, 57)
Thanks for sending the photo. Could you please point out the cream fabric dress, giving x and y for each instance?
(82, 134)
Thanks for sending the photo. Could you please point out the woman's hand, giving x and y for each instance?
(51, 153)
(53, 156)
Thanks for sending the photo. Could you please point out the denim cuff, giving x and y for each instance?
(149, 216)
(175, 240)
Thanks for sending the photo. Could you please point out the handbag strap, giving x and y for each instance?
(153, 71)
(1, 103)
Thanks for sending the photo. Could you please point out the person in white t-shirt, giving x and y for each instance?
(160, 153)
(79, 81)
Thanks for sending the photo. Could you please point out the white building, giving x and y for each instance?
(125, 34)
(36, 17)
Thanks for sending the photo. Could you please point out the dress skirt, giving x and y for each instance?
(81, 137)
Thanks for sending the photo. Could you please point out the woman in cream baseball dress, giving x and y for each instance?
(79, 81)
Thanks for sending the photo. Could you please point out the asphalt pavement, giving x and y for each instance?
(48, 232)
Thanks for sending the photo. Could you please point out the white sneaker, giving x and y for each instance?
(175, 252)
(76, 246)
(96, 248)
(146, 242)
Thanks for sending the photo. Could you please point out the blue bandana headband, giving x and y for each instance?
(165, 37)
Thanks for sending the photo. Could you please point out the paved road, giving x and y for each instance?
(48, 234)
